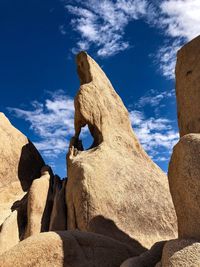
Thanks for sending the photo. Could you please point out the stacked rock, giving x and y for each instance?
(184, 167)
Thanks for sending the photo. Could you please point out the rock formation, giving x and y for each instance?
(184, 180)
(113, 188)
(188, 87)
(67, 249)
(58, 221)
(20, 165)
(9, 235)
(116, 203)
(184, 167)
(40, 204)
(181, 253)
(20, 160)
(147, 259)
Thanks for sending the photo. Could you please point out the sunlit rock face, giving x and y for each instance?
(66, 249)
(113, 188)
(20, 164)
(188, 87)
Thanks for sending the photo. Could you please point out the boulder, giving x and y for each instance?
(39, 203)
(184, 181)
(113, 188)
(67, 249)
(188, 87)
(20, 165)
(181, 253)
(147, 259)
(20, 160)
(13, 228)
(9, 233)
(58, 221)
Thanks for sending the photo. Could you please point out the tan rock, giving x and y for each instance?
(58, 221)
(20, 160)
(114, 188)
(9, 194)
(181, 253)
(13, 228)
(38, 210)
(147, 259)
(66, 249)
(20, 164)
(9, 233)
(188, 87)
(184, 173)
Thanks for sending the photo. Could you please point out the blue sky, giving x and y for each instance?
(134, 41)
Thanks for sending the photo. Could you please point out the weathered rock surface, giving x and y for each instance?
(147, 259)
(20, 165)
(9, 232)
(181, 253)
(67, 249)
(188, 87)
(20, 160)
(39, 204)
(114, 188)
(58, 221)
(184, 181)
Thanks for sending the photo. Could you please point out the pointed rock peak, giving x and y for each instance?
(98, 105)
(88, 69)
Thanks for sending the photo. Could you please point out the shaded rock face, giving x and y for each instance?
(20, 160)
(20, 165)
(147, 259)
(184, 173)
(113, 188)
(181, 253)
(68, 249)
(58, 220)
(188, 87)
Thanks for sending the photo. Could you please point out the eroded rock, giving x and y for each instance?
(20, 165)
(114, 188)
(40, 201)
(184, 173)
(181, 253)
(188, 87)
(147, 259)
(58, 221)
(68, 249)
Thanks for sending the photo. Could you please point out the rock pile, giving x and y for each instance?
(184, 167)
(115, 208)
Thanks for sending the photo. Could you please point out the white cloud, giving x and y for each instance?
(154, 98)
(181, 18)
(157, 135)
(166, 58)
(102, 23)
(51, 121)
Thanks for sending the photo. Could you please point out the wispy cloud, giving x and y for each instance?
(52, 122)
(181, 18)
(102, 23)
(165, 58)
(157, 134)
(154, 98)
(180, 21)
